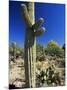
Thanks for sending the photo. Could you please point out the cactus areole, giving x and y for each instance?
(30, 42)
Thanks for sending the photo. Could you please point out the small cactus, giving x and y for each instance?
(14, 49)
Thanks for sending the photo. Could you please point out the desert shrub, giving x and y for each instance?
(53, 49)
(40, 49)
(40, 52)
(61, 62)
(14, 49)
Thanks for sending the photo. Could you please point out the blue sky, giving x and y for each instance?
(54, 22)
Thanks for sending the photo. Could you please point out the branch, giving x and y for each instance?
(26, 15)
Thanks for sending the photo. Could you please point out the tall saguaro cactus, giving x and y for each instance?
(30, 42)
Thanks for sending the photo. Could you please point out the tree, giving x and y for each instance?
(54, 49)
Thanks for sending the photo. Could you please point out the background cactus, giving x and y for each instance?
(13, 50)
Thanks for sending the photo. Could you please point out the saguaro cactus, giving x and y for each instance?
(30, 42)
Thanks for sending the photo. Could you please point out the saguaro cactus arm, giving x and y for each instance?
(38, 23)
(39, 31)
(26, 15)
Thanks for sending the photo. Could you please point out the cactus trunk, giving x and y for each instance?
(30, 42)
(30, 46)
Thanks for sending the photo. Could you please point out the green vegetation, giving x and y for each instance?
(50, 63)
(14, 49)
(49, 77)
(53, 49)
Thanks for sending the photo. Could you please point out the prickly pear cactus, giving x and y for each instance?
(30, 42)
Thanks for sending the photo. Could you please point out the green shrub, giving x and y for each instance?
(53, 49)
